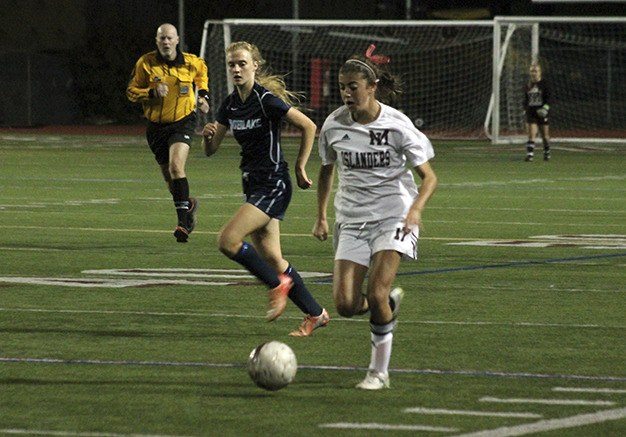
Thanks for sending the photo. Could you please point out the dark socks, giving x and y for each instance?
(180, 194)
(252, 261)
(301, 296)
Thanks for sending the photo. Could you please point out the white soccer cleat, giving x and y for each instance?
(396, 295)
(374, 381)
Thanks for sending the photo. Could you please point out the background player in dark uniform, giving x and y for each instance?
(254, 112)
(163, 81)
(536, 107)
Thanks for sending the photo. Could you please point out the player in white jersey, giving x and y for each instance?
(378, 206)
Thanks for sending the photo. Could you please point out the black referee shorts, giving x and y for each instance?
(161, 136)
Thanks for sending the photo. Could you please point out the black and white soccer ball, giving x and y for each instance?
(272, 365)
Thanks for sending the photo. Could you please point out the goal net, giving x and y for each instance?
(584, 63)
(462, 79)
(445, 66)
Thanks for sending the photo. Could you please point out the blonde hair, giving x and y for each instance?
(273, 82)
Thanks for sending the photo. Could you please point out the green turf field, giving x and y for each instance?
(514, 320)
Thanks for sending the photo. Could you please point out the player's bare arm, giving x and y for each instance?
(213, 135)
(308, 129)
(324, 187)
(426, 190)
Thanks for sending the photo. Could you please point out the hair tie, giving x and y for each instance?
(376, 59)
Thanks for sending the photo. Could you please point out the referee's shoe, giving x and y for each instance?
(182, 232)
(191, 214)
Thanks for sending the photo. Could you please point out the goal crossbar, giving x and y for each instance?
(463, 79)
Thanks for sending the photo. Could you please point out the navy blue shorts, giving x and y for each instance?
(161, 136)
(270, 192)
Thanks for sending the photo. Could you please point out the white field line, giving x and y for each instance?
(16, 431)
(531, 181)
(442, 411)
(338, 319)
(586, 226)
(106, 283)
(32, 249)
(475, 373)
(539, 244)
(589, 390)
(119, 362)
(546, 401)
(139, 313)
(73, 280)
(191, 273)
(385, 427)
(551, 425)
(126, 230)
(525, 210)
(27, 208)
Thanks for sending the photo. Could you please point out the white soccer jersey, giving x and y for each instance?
(371, 160)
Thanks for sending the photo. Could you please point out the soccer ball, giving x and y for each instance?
(272, 365)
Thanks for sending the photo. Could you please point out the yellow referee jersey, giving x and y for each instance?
(180, 75)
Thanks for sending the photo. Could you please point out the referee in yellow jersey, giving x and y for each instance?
(165, 81)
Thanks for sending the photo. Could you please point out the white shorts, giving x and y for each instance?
(358, 242)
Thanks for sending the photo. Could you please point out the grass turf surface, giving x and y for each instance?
(518, 296)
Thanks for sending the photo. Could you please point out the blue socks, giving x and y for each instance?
(252, 261)
(301, 296)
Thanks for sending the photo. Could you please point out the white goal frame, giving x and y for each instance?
(504, 29)
(346, 37)
(489, 107)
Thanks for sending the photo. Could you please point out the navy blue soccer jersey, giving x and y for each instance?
(256, 125)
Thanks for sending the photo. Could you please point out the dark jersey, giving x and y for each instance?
(536, 94)
(256, 125)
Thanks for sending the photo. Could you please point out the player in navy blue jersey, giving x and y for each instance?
(536, 107)
(254, 113)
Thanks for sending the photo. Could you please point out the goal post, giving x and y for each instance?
(445, 66)
(462, 79)
(584, 63)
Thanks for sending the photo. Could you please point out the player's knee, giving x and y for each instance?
(345, 310)
(176, 170)
(227, 245)
(177, 173)
(377, 302)
(348, 308)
